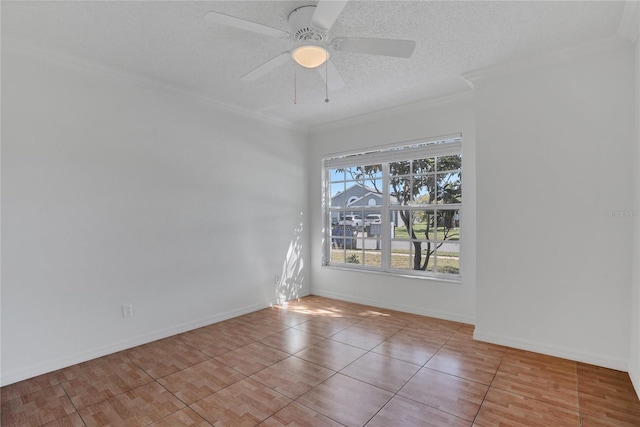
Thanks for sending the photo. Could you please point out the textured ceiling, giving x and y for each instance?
(169, 42)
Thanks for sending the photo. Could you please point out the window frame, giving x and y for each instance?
(385, 155)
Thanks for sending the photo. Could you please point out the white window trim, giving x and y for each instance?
(384, 155)
(389, 153)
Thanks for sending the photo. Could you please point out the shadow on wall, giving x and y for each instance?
(289, 284)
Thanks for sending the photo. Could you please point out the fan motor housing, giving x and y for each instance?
(300, 24)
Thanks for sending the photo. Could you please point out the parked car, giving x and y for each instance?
(371, 219)
(354, 221)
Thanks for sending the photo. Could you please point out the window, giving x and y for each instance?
(396, 209)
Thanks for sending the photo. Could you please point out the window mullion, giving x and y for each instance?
(385, 218)
(326, 210)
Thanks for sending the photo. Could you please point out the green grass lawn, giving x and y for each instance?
(419, 229)
(448, 262)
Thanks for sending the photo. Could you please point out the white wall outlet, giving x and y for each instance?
(127, 310)
(277, 278)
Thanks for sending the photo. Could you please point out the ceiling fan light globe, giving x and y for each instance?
(310, 56)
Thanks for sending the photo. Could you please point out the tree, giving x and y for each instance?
(432, 180)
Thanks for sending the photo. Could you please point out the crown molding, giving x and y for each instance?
(629, 27)
(84, 65)
(554, 57)
(401, 110)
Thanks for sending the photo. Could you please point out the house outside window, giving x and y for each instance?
(396, 209)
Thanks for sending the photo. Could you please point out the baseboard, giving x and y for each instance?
(557, 351)
(54, 365)
(454, 317)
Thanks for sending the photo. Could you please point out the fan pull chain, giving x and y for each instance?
(295, 85)
(326, 77)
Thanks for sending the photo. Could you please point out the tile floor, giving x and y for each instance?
(322, 362)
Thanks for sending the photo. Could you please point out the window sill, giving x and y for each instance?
(394, 273)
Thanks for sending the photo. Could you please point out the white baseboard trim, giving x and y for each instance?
(551, 350)
(454, 317)
(54, 365)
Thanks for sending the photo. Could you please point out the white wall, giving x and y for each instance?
(634, 360)
(115, 193)
(554, 178)
(455, 301)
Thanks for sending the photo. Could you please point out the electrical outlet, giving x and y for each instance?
(127, 310)
(277, 279)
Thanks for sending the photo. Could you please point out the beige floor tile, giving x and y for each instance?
(472, 365)
(71, 420)
(384, 324)
(541, 377)
(404, 412)
(293, 376)
(265, 317)
(164, 357)
(296, 415)
(331, 354)
(290, 315)
(201, 380)
(381, 371)
(36, 408)
(101, 379)
(607, 394)
(29, 386)
(409, 348)
(245, 403)
(591, 421)
(364, 338)
(505, 408)
(435, 332)
(214, 341)
(441, 372)
(445, 392)
(260, 331)
(183, 418)
(325, 326)
(463, 340)
(252, 358)
(291, 340)
(138, 407)
(346, 400)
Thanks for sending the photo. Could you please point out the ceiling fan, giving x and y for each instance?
(309, 32)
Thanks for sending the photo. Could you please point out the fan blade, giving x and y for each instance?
(243, 24)
(385, 47)
(326, 13)
(268, 66)
(331, 76)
